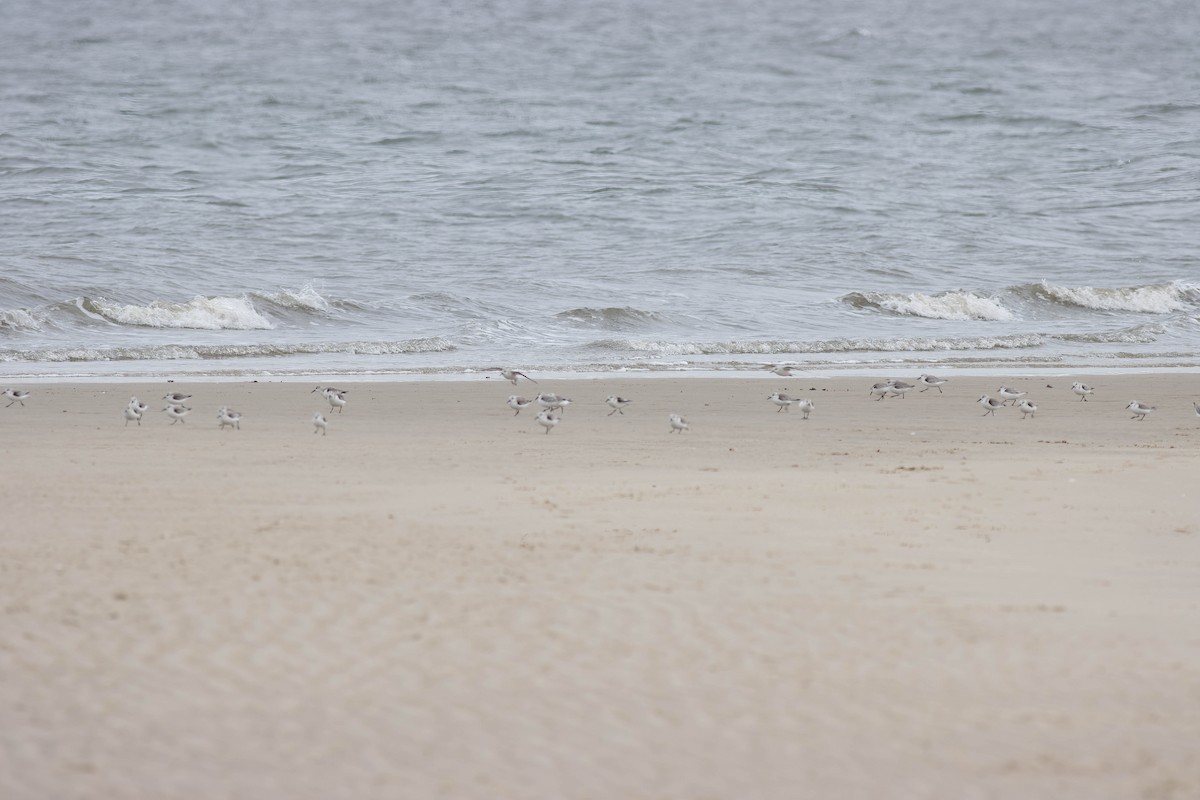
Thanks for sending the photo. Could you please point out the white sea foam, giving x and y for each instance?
(1159, 298)
(944, 305)
(19, 319)
(783, 347)
(1138, 334)
(199, 313)
(176, 352)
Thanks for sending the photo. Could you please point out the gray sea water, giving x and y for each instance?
(437, 186)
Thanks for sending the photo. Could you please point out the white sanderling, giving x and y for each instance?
(512, 374)
(176, 399)
(931, 382)
(1197, 407)
(1007, 394)
(176, 413)
(990, 403)
(617, 404)
(131, 414)
(336, 398)
(324, 390)
(880, 390)
(320, 424)
(900, 388)
(138, 405)
(806, 406)
(552, 402)
(227, 416)
(784, 401)
(517, 403)
(782, 370)
(547, 420)
(1083, 390)
(1140, 410)
(16, 396)
(1026, 407)
(678, 423)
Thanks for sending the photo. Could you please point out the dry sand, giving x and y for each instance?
(896, 599)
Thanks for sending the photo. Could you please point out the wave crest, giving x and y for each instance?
(611, 318)
(19, 319)
(307, 298)
(1159, 298)
(199, 313)
(944, 305)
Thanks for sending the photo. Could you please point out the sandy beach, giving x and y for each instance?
(901, 598)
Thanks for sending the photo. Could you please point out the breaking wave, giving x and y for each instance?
(1159, 298)
(254, 311)
(944, 305)
(199, 313)
(20, 319)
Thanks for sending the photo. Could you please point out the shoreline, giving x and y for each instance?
(466, 375)
(897, 598)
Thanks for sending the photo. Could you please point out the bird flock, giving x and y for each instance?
(892, 387)
(549, 403)
(551, 407)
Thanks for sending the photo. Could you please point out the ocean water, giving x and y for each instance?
(437, 187)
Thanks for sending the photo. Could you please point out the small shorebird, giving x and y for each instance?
(678, 424)
(227, 416)
(176, 399)
(138, 405)
(336, 398)
(782, 370)
(617, 404)
(320, 424)
(16, 396)
(324, 390)
(512, 374)
(900, 388)
(1007, 394)
(784, 401)
(547, 420)
(552, 402)
(1197, 407)
(881, 389)
(1026, 407)
(990, 403)
(131, 414)
(176, 413)
(1083, 390)
(517, 403)
(806, 406)
(931, 382)
(1140, 410)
